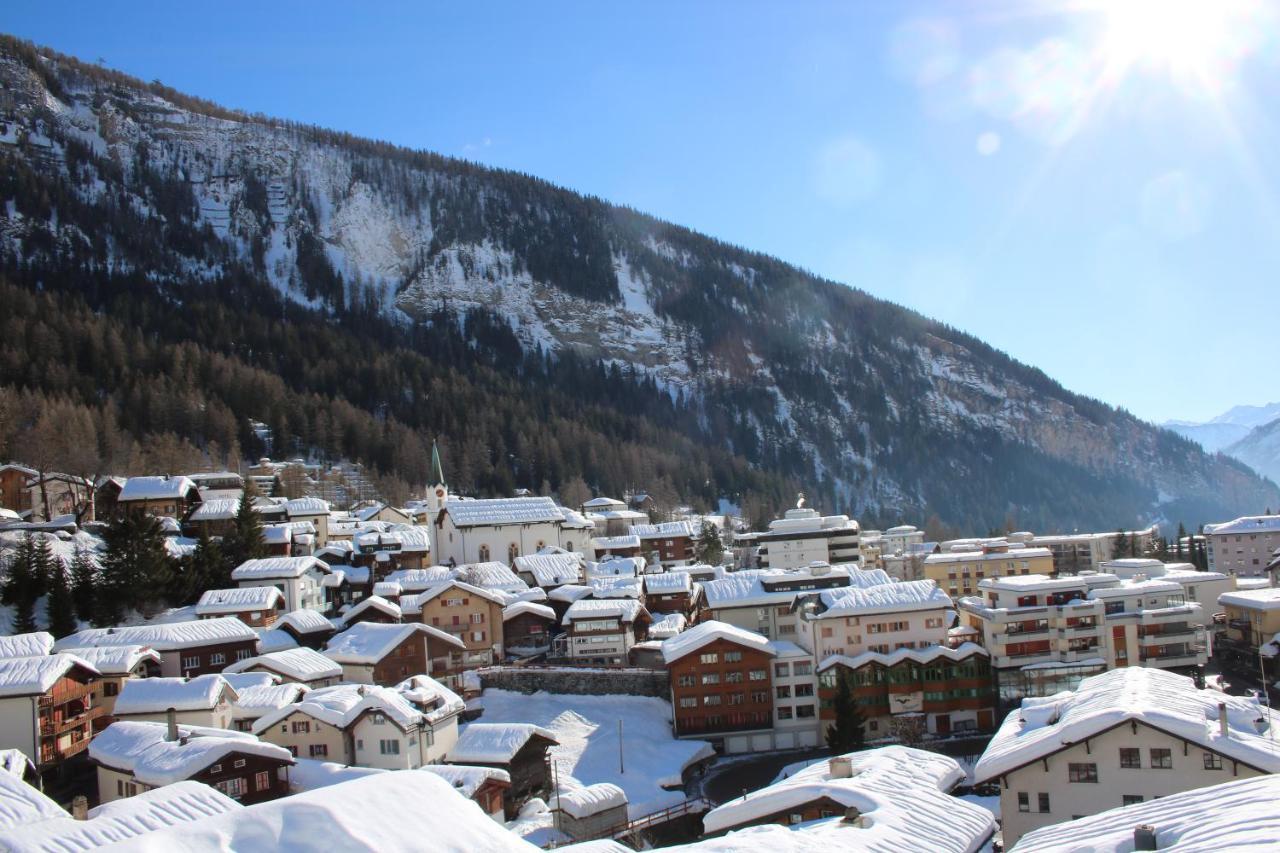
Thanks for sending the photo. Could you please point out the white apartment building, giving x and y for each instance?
(760, 600)
(795, 698)
(803, 536)
(1121, 738)
(299, 579)
(1045, 634)
(881, 618)
(1244, 546)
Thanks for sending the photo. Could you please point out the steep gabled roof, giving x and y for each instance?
(495, 743)
(164, 637)
(370, 642)
(690, 641)
(301, 664)
(26, 645)
(502, 511)
(31, 676)
(272, 568)
(156, 695)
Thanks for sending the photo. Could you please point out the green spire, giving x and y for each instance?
(437, 470)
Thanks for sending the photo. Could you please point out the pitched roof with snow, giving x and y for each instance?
(156, 695)
(467, 780)
(431, 697)
(305, 621)
(1253, 599)
(155, 488)
(520, 608)
(30, 676)
(501, 511)
(570, 592)
(667, 625)
(253, 702)
(1246, 524)
(140, 748)
(1161, 699)
(416, 580)
(615, 567)
(26, 645)
(882, 598)
(115, 660)
(900, 791)
(587, 800)
(217, 509)
(370, 642)
(300, 664)
(615, 543)
(307, 506)
(22, 804)
(164, 637)
(617, 587)
(897, 656)
(688, 642)
(493, 576)
(239, 599)
(342, 704)
(1238, 815)
(666, 530)
(668, 583)
(439, 589)
(372, 602)
(551, 569)
(623, 609)
(494, 743)
(270, 568)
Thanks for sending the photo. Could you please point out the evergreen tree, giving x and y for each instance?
(44, 562)
(1182, 534)
(61, 603)
(205, 569)
(244, 542)
(136, 568)
(1121, 549)
(846, 733)
(20, 586)
(84, 585)
(709, 549)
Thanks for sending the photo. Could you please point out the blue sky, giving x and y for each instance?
(1094, 192)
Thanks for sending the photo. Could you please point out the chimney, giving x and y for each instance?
(171, 718)
(79, 807)
(852, 815)
(1144, 837)
(840, 767)
(1223, 729)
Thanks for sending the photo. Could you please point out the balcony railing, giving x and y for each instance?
(69, 694)
(50, 728)
(50, 754)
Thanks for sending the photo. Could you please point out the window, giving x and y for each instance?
(303, 727)
(736, 698)
(232, 787)
(319, 750)
(782, 692)
(217, 659)
(732, 657)
(688, 701)
(1044, 803)
(1130, 799)
(484, 553)
(711, 699)
(1024, 801)
(710, 657)
(1082, 772)
(1130, 757)
(477, 618)
(758, 675)
(803, 669)
(710, 678)
(804, 689)
(781, 670)
(191, 662)
(784, 712)
(686, 681)
(243, 654)
(513, 551)
(1212, 761)
(389, 747)
(1161, 759)
(238, 763)
(805, 711)
(110, 688)
(733, 677)
(262, 780)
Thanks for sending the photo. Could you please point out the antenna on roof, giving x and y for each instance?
(800, 500)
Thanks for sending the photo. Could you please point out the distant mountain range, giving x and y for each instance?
(1248, 433)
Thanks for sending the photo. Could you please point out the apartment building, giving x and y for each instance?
(1244, 546)
(1121, 738)
(958, 572)
(299, 579)
(760, 600)
(471, 614)
(1252, 618)
(199, 647)
(722, 686)
(796, 722)
(880, 618)
(46, 707)
(602, 631)
(803, 536)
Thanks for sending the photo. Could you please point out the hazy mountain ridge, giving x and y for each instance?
(874, 408)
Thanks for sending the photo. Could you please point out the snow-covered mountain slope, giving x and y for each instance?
(1211, 436)
(1260, 450)
(873, 408)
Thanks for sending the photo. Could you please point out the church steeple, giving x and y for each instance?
(437, 490)
(437, 470)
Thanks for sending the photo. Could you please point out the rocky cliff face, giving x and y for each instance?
(885, 413)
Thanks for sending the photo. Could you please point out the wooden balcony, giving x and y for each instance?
(52, 728)
(70, 694)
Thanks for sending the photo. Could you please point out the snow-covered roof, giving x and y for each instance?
(551, 569)
(668, 583)
(492, 575)
(747, 588)
(614, 567)
(570, 592)
(121, 820)
(1246, 524)
(270, 568)
(22, 804)
(1154, 586)
(372, 602)
(624, 609)
(239, 599)
(882, 598)
(1253, 599)
(626, 587)
(379, 811)
(705, 633)
(455, 585)
(300, 664)
(615, 543)
(156, 695)
(163, 637)
(305, 621)
(511, 611)
(386, 588)
(416, 580)
(217, 509)
(253, 702)
(342, 704)
(115, 660)
(307, 506)
(310, 773)
(370, 642)
(494, 743)
(155, 488)
(29, 676)
(244, 680)
(431, 697)
(140, 748)
(899, 792)
(1013, 553)
(26, 645)
(897, 656)
(465, 779)
(587, 800)
(594, 502)
(500, 511)
(1238, 815)
(667, 626)
(1158, 698)
(666, 530)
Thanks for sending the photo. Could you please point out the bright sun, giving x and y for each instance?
(1195, 41)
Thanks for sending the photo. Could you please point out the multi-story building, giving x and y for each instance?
(796, 722)
(299, 579)
(671, 592)
(958, 572)
(255, 606)
(1252, 618)
(205, 700)
(471, 614)
(1201, 587)
(174, 497)
(186, 648)
(1244, 546)
(375, 653)
(298, 666)
(760, 600)
(1045, 634)
(880, 618)
(46, 707)
(1085, 552)
(603, 631)
(668, 544)
(115, 665)
(722, 686)
(803, 536)
(1122, 737)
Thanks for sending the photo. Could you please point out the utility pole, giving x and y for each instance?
(1266, 694)
(622, 768)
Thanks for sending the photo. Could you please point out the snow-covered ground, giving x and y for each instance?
(587, 728)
